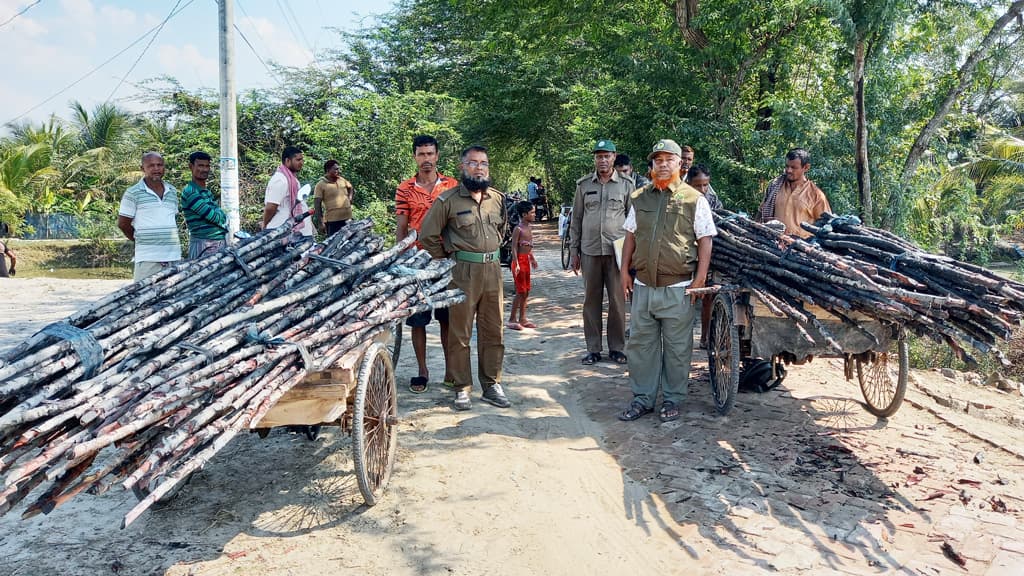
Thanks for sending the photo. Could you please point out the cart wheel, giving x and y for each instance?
(396, 342)
(374, 430)
(723, 354)
(565, 249)
(883, 378)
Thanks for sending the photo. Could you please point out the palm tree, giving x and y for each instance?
(996, 175)
(25, 171)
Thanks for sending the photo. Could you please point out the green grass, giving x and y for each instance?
(73, 258)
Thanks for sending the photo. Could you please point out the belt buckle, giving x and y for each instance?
(489, 257)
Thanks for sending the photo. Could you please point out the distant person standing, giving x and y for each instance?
(147, 217)
(531, 189)
(281, 200)
(5, 253)
(413, 199)
(522, 261)
(792, 198)
(207, 222)
(699, 178)
(332, 204)
(624, 166)
(598, 212)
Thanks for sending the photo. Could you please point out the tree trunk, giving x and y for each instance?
(861, 162)
(894, 212)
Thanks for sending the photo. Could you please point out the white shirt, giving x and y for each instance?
(153, 218)
(703, 226)
(277, 193)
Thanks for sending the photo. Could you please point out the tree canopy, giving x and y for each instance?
(893, 98)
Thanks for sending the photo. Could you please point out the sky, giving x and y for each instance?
(56, 42)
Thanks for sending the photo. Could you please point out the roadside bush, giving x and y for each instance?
(100, 234)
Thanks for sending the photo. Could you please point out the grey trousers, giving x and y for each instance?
(660, 343)
(600, 274)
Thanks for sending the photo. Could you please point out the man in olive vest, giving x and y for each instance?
(598, 211)
(668, 241)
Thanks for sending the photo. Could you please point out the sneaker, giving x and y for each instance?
(462, 401)
(496, 396)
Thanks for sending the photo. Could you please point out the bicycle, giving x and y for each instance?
(563, 230)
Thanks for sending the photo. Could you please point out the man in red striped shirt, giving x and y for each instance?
(412, 200)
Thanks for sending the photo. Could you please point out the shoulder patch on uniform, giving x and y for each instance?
(584, 177)
(448, 193)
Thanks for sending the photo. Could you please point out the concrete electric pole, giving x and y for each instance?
(228, 118)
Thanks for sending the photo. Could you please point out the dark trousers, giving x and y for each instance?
(333, 227)
(600, 275)
(484, 305)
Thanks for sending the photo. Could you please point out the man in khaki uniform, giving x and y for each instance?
(467, 223)
(668, 241)
(598, 211)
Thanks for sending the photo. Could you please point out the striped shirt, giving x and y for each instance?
(205, 219)
(156, 231)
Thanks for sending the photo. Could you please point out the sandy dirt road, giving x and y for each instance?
(800, 481)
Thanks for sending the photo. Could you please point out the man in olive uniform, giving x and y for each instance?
(598, 211)
(467, 223)
(668, 241)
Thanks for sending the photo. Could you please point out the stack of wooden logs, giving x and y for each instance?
(846, 267)
(166, 371)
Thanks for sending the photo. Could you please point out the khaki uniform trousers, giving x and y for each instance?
(482, 283)
(660, 343)
(601, 274)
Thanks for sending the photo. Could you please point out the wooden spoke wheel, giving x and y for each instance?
(723, 354)
(883, 378)
(565, 249)
(374, 423)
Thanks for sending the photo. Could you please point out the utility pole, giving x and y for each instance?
(228, 118)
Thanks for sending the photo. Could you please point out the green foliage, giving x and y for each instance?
(742, 81)
(102, 237)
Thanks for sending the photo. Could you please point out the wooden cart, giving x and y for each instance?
(358, 394)
(743, 327)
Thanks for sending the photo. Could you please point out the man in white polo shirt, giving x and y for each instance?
(147, 218)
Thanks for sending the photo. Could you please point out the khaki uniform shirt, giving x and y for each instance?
(598, 211)
(456, 222)
(336, 198)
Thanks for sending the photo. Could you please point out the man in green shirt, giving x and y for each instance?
(207, 223)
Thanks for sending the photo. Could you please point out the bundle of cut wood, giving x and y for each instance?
(848, 267)
(166, 371)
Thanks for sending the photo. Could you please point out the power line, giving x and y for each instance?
(249, 44)
(291, 29)
(255, 53)
(19, 13)
(144, 50)
(94, 70)
(298, 25)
